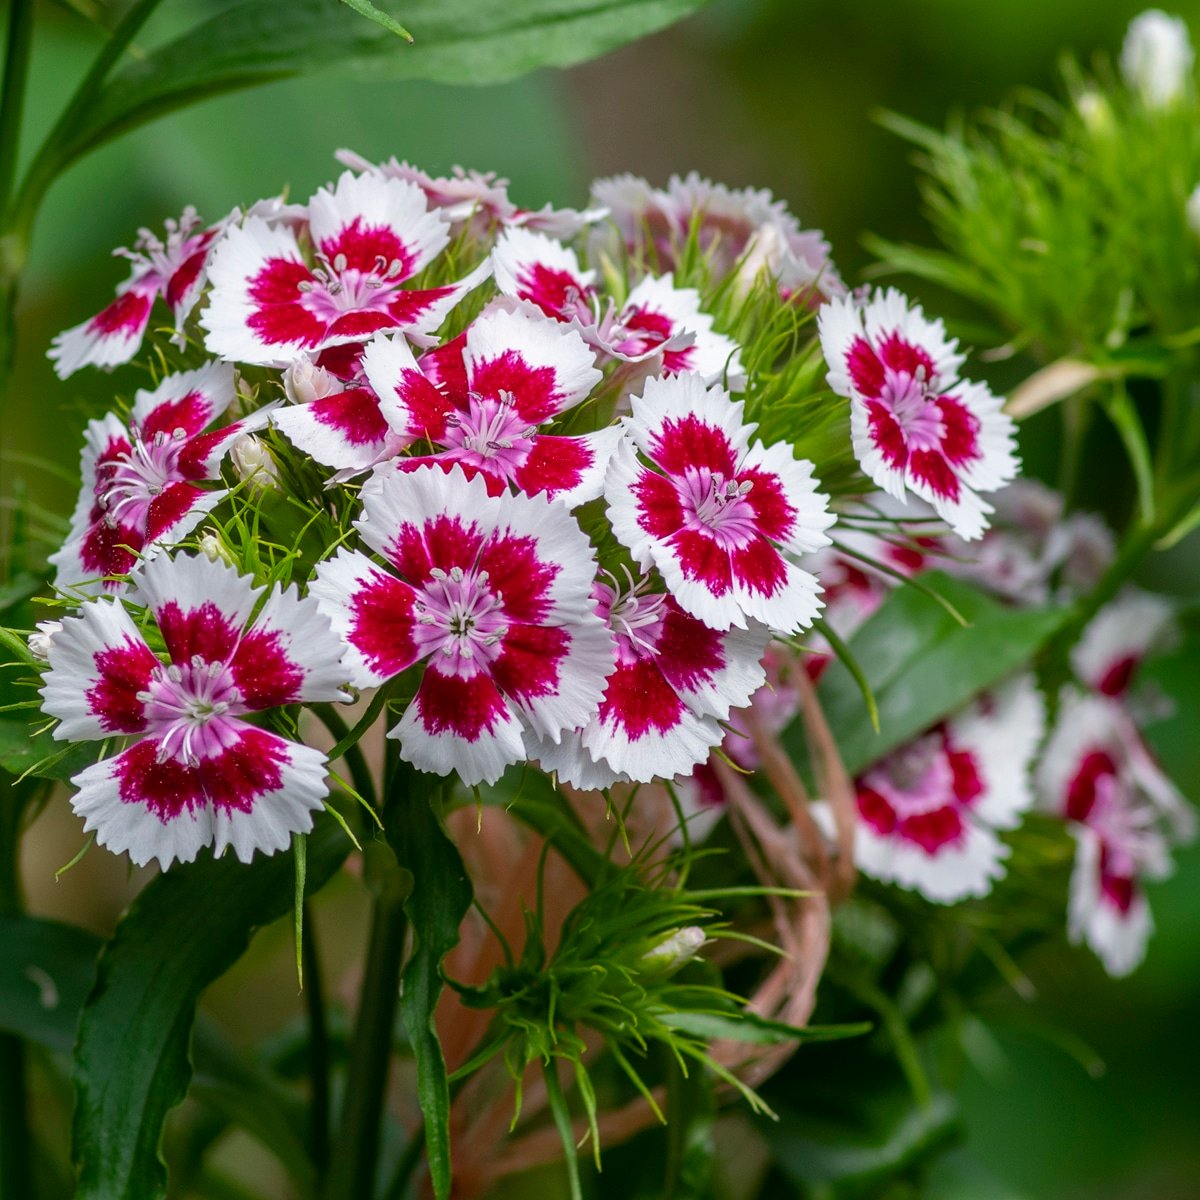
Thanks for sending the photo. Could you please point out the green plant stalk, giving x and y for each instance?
(318, 1047)
(352, 1169)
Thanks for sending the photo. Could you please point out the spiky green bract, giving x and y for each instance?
(607, 978)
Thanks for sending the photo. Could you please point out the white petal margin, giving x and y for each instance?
(236, 258)
(97, 437)
(967, 516)
(795, 475)
(602, 444)
(733, 685)
(891, 312)
(192, 580)
(338, 581)
(676, 397)
(1128, 628)
(384, 362)
(1118, 939)
(275, 816)
(571, 762)
(394, 204)
(1002, 735)
(657, 753)
(519, 249)
(123, 826)
(998, 461)
(101, 625)
(952, 873)
(540, 342)
(870, 457)
(88, 345)
(447, 752)
(215, 382)
(624, 470)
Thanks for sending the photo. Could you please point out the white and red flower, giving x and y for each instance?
(674, 680)
(915, 424)
(493, 593)
(140, 483)
(477, 198)
(1097, 774)
(369, 236)
(713, 512)
(657, 320)
(173, 268)
(928, 813)
(481, 401)
(1106, 658)
(198, 773)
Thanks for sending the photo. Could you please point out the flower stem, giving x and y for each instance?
(318, 1046)
(12, 94)
(352, 1170)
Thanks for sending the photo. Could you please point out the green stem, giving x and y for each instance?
(360, 772)
(12, 93)
(352, 1170)
(557, 1103)
(407, 1164)
(318, 1046)
(15, 1174)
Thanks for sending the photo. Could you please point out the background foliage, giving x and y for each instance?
(1095, 1096)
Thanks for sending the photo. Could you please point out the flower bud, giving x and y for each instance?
(214, 549)
(253, 462)
(765, 252)
(674, 950)
(1193, 210)
(304, 381)
(1095, 111)
(1157, 57)
(42, 636)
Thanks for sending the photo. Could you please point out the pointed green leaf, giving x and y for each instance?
(441, 894)
(132, 1062)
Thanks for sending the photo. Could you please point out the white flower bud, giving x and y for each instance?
(304, 381)
(1095, 111)
(765, 251)
(674, 950)
(1157, 57)
(253, 462)
(214, 549)
(40, 639)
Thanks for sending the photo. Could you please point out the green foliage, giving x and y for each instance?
(922, 663)
(440, 897)
(132, 1063)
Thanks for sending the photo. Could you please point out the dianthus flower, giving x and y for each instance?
(914, 424)
(173, 268)
(657, 317)
(479, 401)
(713, 512)
(493, 594)
(369, 236)
(1118, 638)
(1098, 775)
(673, 681)
(929, 811)
(198, 774)
(139, 484)
(476, 198)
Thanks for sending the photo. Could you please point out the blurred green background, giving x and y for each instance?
(773, 93)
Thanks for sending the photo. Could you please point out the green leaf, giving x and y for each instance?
(921, 664)
(40, 755)
(441, 894)
(366, 9)
(749, 1027)
(132, 1064)
(46, 972)
(455, 41)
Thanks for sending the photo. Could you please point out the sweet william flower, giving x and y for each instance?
(140, 483)
(915, 425)
(197, 773)
(172, 267)
(369, 236)
(673, 682)
(1123, 812)
(492, 594)
(482, 400)
(715, 513)
(928, 813)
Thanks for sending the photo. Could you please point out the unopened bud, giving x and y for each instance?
(1193, 210)
(674, 950)
(305, 382)
(214, 549)
(253, 462)
(41, 637)
(1157, 57)
(1095, 111)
